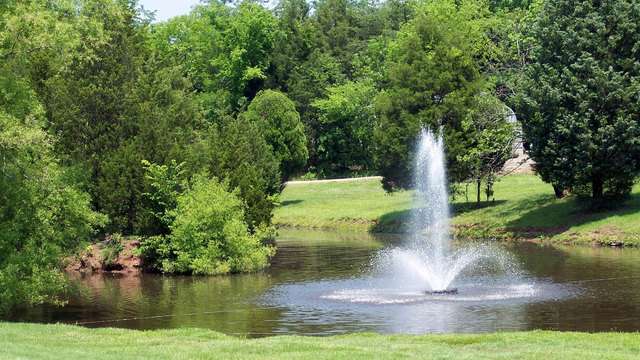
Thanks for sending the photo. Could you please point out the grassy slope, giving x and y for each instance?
(19, 341)
(346, 205)
(524, 208)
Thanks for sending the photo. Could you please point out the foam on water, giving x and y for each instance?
(386, 296)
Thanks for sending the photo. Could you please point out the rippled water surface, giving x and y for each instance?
(322, 283)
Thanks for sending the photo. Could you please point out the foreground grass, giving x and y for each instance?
(30, 341)
(524, 208)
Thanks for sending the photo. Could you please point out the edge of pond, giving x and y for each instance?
(474, 232)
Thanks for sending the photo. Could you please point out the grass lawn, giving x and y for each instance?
(30, 341)
(524, 208)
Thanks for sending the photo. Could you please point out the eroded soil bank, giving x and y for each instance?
(114, 254)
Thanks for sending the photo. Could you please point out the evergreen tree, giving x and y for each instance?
(236, 151)
(118, 103)
(432, 80)
(579, 105)
(276, 115)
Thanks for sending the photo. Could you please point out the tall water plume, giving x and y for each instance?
(428, 261)
(430, 220)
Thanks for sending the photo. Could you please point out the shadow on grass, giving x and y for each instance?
(399, 221)
(541, 215)
(461, 208)
(545, 215)
(392, 222)
(290, 202)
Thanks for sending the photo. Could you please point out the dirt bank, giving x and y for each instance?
(114, 255)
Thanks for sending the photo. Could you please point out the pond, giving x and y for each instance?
(317, 285)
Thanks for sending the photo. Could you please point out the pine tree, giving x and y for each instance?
(580, 105)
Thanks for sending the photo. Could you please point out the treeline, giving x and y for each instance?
(183, 132)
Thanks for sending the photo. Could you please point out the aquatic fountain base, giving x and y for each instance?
(442, 292)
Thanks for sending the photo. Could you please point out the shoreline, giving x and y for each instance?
(541, 237)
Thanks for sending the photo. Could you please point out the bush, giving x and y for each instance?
(166, 183)
(309, 175)
(208, 235)
(111, 250)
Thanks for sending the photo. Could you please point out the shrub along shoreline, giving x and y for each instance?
(524, 208)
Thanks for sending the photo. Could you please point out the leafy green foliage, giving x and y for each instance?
(115, 106)
(579, 105)
(224, 51)
(298, 38)
(209, 234)
(42, 216)
(237, 152)
(346, 122)
(190, 42)
(276, 115)
(166, 183)
(308, 81)
(491, 145)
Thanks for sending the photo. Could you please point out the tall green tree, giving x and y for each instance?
(346, 122)
(491, 144)
(309, 81)
(579, 105)
(433, 79)
(236, 151)
(115, 104)
(298, 38)
(224, 50)
(248, 37)
(43, 215)
(89, 107)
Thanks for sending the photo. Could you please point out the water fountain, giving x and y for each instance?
(428, 258)
(426, 282)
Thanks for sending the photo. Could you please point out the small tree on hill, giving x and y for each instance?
(491, 144)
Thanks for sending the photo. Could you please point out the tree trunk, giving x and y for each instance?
(478, 194)
(559, 191)
(597, 188)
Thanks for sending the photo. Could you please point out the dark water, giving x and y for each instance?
(580, 289)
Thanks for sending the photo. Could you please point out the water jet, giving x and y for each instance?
(428, 256)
